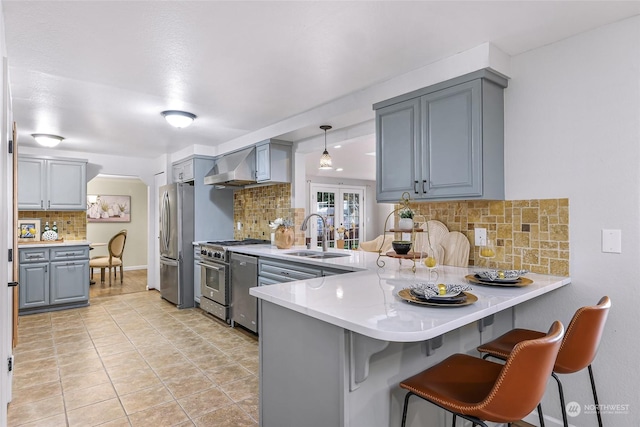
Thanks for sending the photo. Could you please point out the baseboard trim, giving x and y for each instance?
(136, 267)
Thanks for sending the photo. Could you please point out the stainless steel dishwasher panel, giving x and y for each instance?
(244, 275)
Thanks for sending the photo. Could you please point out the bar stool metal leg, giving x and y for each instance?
(540, 415)
(404, 411)
(595, 395)
(563, 407)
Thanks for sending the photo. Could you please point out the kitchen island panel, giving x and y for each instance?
(311, 372)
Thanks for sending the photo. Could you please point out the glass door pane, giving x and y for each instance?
(351, 218)
(326, 207)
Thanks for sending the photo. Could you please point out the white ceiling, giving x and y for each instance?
(100, 72)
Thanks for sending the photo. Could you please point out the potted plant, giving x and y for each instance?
(406, 219)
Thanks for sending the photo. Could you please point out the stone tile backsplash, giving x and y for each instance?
(72, 225)
(528, 234)
(256, 207)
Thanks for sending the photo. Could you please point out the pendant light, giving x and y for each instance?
(325, 159)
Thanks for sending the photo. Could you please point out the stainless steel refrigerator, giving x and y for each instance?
(176, 250)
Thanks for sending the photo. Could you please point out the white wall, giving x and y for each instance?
(572, 129)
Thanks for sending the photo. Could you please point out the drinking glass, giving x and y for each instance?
(488, 252)
(431, 262)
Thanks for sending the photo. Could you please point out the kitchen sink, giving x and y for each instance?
(317, 255)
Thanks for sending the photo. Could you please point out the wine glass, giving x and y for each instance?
(431, 262)
(488, 252)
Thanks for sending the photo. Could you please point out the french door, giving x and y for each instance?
(343, 208)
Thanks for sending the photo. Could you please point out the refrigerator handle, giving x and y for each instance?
(164, 222)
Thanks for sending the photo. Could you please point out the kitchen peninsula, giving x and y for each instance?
(333, 349)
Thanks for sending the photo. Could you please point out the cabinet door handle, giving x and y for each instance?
(46, 268)
(41, 204)
(424, 185)
(49, 204)
(12, 284)
(415, 187)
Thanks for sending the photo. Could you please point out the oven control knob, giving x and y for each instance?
(209, 253)
(203, 251)
(217, 255)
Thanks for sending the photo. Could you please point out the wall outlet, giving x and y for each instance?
(239, 225)
(480, 236)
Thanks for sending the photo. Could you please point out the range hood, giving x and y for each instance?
(234, 169)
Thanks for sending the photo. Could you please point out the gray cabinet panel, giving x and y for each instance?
(452, 164)
(69, 282)
(66, 185)
(183, 171)
(31, 185)
(263, 163)
(398, 156)
(34, 285)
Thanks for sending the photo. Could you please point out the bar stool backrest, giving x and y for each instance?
(523, 379)
(582, 338)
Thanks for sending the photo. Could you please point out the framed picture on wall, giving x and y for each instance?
(101, 208)
(28, 230)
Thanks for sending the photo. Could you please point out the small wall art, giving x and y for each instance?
(101, 208)
(28, 230)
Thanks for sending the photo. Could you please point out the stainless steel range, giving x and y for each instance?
(215, 278)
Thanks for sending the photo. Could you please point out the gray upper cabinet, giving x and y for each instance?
(444, 142)
(273, 161)
(183, 171)
(52, 184)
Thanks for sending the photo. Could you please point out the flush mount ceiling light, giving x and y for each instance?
(47, 140)
(325, 159)
(179, 119)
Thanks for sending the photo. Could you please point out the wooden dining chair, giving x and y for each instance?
(113, 260)
(480, 390)
(579, 347)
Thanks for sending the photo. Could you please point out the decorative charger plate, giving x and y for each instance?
(522, 281)
(406, 295)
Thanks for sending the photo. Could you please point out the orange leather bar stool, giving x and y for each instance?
(577, 352)
(479, 390)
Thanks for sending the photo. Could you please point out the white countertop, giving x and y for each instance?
(48, 244)
(366, 301)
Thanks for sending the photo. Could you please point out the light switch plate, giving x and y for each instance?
(612, 241)
(480, 236)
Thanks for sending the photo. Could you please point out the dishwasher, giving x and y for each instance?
(244, 275)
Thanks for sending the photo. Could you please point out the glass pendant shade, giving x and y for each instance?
(179, 119)
(47, 140)
(325, 159)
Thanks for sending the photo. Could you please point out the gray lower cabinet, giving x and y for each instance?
(53, 278)
(443, 142)
(52, 184)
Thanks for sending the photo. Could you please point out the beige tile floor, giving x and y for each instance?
(133, 360)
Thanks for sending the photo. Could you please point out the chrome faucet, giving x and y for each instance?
(303, 227)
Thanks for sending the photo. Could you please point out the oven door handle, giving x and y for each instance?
(213, 267)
